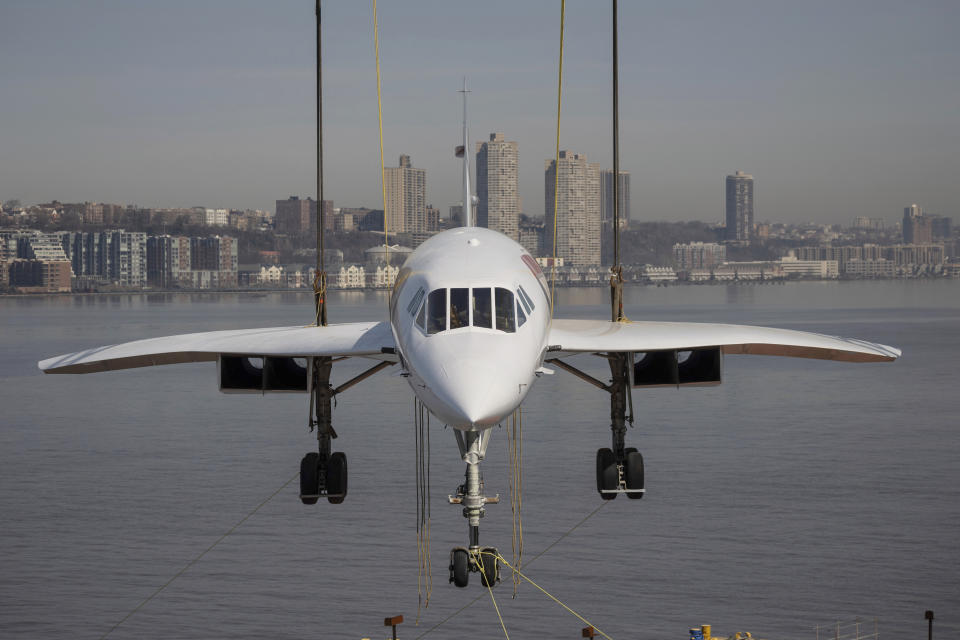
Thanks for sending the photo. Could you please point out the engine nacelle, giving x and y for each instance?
(262, 374)
(696, 367)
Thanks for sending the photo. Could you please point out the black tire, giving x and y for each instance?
(607, 477)
(337, 477)
(633, 473)
(459, 568)
(489, 569)
(310, 478)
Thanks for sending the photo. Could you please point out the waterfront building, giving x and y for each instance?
(531, 238)
(498, 198)
(739, 207)
(577, 233)
(698, 255)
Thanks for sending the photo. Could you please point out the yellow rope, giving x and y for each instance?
(546, 593)
(383, 171)
(556, 163)
(490, 590)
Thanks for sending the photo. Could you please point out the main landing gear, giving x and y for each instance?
(322, 474)
(475, 559)
(619, 469)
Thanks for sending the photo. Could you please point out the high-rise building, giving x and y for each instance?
(578, 209)
(606, 209)
(295, 215)
(498, 205)
(739, 199)
(917, 228)
(128, 258)
(606, 196)
(406, 198)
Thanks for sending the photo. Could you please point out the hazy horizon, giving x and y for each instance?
(838, 110)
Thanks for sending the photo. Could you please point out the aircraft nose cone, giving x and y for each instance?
(477, 394)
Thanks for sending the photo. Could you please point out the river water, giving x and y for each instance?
(794, 494)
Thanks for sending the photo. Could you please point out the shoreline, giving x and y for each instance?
(304, 290)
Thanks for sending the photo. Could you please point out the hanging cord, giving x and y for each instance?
(497, 556)
(531, 561)
(383, 171)
(421, 436)
(199, 557)
(556, 163)
(515, 446)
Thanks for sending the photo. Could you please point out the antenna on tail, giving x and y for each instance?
(468, 220)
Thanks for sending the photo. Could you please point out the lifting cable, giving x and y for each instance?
(383, 171)
(515, 446)
(556, 163)
(320, 275)
(199, 557)
(531, 561)
(490, 591)
(497, 556)
(421, 438)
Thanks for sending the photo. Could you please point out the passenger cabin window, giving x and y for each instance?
(482, 308)
(505, 307)
(437, 311)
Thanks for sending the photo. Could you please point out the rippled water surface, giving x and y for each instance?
(796, 493)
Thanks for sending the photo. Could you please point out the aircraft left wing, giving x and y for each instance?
(579, 336)
(364, 339)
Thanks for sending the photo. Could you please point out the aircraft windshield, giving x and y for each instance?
(486, 307)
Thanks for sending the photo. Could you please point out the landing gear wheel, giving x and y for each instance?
(488, 563)
(310, 478)
(337, 478)
(459, 567)
(607, 477)
(633, 472)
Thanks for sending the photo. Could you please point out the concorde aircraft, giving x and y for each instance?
(470, 326)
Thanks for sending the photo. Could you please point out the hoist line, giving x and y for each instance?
(499, 557)
(556, 163)
(422, 464)
(515, 447)
(383, 171)
(320, 276)
(531, 561)
(199, 557)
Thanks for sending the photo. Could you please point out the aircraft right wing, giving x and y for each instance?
(579, 336)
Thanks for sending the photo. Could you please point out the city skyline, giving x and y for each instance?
(838, 118)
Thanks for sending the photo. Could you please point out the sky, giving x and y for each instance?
(838, 109)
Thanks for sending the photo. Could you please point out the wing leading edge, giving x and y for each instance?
(365, 339)
(579, 336)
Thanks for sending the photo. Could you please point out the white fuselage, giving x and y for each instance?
(470, 314)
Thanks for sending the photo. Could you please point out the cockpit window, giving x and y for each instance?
(437, 311)
(486, 307)
(505, 307)
(521, 316)
(421, 317)
(459, 309)
(482, 308)
(527, 302)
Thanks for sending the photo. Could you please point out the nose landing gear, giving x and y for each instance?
(475, 559)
